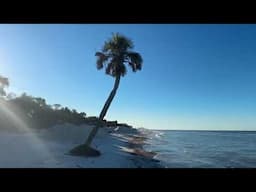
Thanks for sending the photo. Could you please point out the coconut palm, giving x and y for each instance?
(114, 56)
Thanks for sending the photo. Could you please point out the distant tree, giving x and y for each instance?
(74, 111)
(24, 94)
(115, 54)
(40, 101)
(57, 106)
(67, 110)
(11, 95)
(4, 82)
(83, 114)
(36, 112)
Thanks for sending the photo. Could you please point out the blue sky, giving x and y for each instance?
(193, 76)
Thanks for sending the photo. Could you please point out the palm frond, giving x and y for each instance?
(118, 43)
(109, 68)
(135, 61)
(101, 59)
(132, 65)
(121, 69)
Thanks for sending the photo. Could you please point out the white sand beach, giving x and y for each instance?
(48, 148)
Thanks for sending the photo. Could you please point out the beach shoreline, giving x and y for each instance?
(136, 141)
(120, 147)
(145, 159)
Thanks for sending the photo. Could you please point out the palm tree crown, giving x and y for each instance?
(115, 53)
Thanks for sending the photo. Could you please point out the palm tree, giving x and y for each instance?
(115, 54)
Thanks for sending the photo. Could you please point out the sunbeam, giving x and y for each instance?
(23, 128)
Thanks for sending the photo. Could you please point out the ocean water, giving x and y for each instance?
(204, 149)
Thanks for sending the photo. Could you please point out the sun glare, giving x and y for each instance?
(24, 128)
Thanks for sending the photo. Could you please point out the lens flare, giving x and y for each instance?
(22, 128)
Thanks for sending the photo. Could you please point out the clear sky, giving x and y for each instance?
(193, 76)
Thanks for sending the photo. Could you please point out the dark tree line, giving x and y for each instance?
(36, 113)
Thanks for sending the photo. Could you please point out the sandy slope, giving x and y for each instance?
(47, 148)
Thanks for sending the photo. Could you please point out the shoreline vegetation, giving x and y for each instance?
(21, 116)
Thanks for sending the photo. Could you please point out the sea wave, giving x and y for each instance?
(186, 149)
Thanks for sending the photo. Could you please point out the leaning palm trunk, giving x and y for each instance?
(85, 148)
(103, 112)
